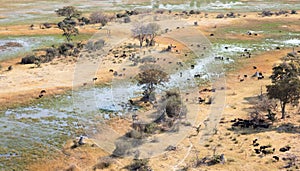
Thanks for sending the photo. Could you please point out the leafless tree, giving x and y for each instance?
(152, 32)
(145, 32)
(139, 32)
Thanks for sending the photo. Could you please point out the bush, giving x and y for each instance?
(122, 148)
(127, 20)
(30, 59)
(134, 134)
(171, 93)
(72, 168)
(103, 163)
(140, 165)
(265, 104)
(99, 17)
(99, 44)
(51, 53)
(91, 45)
(151, 128)
(85, 20)
(174, 107)
(173, 104)
(65, 49)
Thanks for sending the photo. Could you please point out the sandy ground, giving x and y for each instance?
(23, 84)
(239, 152)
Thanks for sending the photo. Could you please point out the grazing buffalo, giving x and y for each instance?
(284, 149)
(276, 158)
(197, 76)
(201, 100)
(219, 58)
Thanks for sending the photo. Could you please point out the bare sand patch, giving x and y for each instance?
(57, 78)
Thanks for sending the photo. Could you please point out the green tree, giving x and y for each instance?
(292, 57)
(68, 25)
(69, 12)
(174, 105)
(285, 85)
(149, 77)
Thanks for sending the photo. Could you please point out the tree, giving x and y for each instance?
(139, 32)
(152, 32)
(145, 33)
(68, 12)
(149, 77)
(68, 28)
(68, 25)
(285, 85)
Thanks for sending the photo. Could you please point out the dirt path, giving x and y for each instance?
(216, 110)
(185, 157)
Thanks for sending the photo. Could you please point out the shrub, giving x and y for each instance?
(72, 168)
(99, 44)
(30, 59)
(173, 92)
(103, 163)
(95, 45)
(140, 165)
(151, 128)
(65, 49)
(127, 20)
(173, 107)
(134, 134)
(265, 104)
(214, 160)
(99, 17)
(122, 148)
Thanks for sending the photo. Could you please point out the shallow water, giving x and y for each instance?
(295, 42)
(51, 122)
(28, 44)
(42, 9)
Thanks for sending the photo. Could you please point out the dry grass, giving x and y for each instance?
(235, 145)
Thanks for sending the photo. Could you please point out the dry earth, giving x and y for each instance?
(23, 84)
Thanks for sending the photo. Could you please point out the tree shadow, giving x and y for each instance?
(252, 100)
(260, 103)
